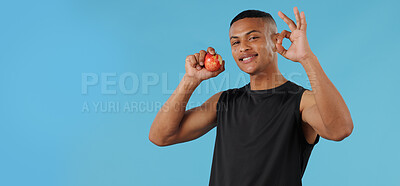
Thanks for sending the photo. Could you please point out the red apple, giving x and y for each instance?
(212, 62)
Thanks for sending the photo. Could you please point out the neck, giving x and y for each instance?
(268, 79)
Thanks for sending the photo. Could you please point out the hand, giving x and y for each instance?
(195, 68)
(299, 49)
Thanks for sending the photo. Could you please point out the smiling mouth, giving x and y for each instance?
(248, 59)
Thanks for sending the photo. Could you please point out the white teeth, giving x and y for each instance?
(247, 58)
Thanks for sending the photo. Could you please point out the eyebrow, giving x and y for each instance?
(246, 34)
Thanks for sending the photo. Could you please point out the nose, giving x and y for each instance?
(243, 47)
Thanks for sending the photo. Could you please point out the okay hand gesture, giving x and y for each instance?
(299, 49)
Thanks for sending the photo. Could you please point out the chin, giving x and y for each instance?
(250, 71)
(248, 68)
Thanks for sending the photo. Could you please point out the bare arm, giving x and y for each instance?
(324, 108)
(173, 124)
(326, 112)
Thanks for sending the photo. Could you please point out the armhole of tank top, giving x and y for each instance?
(298, 101)
(219, 106)
(299, 118)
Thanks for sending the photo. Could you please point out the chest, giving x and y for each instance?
(246, 117)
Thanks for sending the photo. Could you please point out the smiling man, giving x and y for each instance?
(266, 129)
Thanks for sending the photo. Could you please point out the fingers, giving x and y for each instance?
(202, 54)
(300, 24)
(201, 57)
(191, 61)
(222, 68)
(288, 21)
(303, 21)
(198, 67)
(297, 15)
(279, 48)
(211, 50)
(197, 60)
(282, 35)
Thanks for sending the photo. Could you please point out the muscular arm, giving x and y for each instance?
(173, 124)
(323, 109)
(167, 121)
(197, 121)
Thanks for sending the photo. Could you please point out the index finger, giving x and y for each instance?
(201, 57)
(303, 21)
(211, 50)
(288, 21)
(297, 15)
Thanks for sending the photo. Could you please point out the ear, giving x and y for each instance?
(274, 38)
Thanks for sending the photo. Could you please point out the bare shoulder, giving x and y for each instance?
(308, 110)
(307, 100)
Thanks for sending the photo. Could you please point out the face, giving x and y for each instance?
(252, 44)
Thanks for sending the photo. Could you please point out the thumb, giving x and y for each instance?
(280, 49)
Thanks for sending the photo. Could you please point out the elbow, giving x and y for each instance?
(343, 133)
(157, 141)
(161, 136)
(154, 137)
(340, 137)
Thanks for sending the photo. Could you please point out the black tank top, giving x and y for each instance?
(259, 140)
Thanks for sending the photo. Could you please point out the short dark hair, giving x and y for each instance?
(254, 14)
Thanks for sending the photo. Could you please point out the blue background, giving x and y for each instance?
(46, 47)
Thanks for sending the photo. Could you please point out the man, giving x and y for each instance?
(266, 129)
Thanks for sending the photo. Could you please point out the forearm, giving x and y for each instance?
(168, 118)
(331, 106)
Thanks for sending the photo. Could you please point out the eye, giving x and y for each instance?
(253, 38)
(235, 43)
